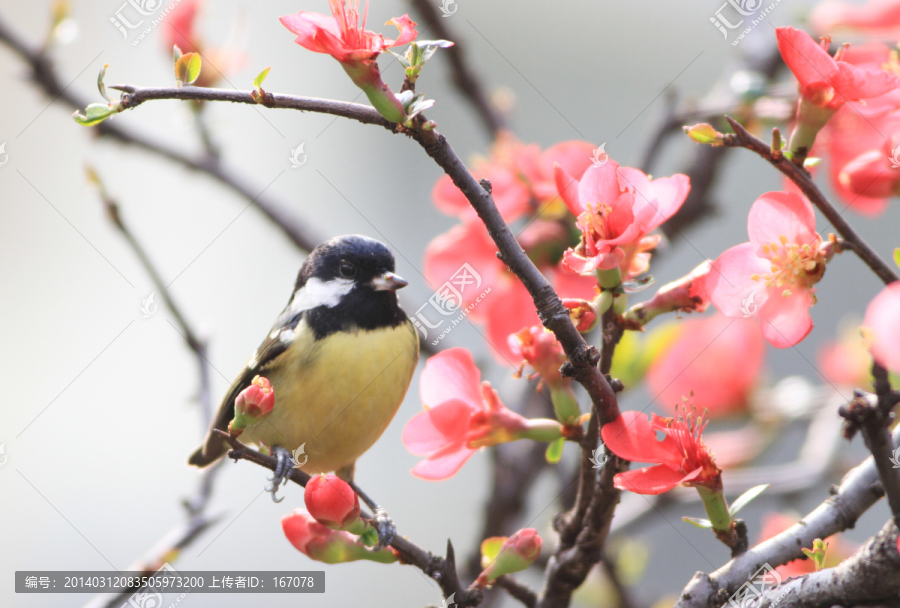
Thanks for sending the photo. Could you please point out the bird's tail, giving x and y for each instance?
(206, 455)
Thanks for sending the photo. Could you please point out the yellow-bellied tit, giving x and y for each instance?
(340, 359)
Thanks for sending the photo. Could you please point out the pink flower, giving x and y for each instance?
(715, 358)
(346, 39)
(681, 456)
(521, 177)
(326, 545)
(773, 275)
(513, 554)
(500, 300)
(616, 210)
(878, 19)
(827, 81)
(332, 502)
(461, 415)
(342, 35)
(883, 324)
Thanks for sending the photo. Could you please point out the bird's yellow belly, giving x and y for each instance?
(336, 396)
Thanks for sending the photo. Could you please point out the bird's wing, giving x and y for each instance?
(214, 446)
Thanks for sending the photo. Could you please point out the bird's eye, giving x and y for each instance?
(347, 269)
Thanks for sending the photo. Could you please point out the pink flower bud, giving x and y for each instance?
(325, 545)
(541, 350)
(332, 502)
(256, 400)
(514, 555)
(252, 403)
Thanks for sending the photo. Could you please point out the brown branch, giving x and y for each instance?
(463, 77)
(441, 569)
(741, 138)
(859, 490)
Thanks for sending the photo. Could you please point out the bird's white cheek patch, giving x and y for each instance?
(320, 293)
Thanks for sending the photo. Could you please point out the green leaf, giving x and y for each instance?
(745, 498)
(555, 450)
(490, 547)
(101, 85)
(704, 133)
(897, 256)
(370, 537)
(696, 521)
(257, 82)
(94, 114)
(187, 68)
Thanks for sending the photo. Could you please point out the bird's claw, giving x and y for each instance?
(282, 472)
(385, 528)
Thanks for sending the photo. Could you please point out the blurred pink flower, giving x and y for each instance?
(882, 323)
(827, 81)
(715, 358)
(879, 19)
(508, 307)
(772, 276)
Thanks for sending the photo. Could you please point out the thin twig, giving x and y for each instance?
(741, 138)
(43, 74)
(518, 590)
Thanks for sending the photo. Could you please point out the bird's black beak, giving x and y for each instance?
(388, 282)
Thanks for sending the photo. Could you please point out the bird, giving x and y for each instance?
(340, 359)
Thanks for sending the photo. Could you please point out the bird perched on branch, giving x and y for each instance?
(340, 359)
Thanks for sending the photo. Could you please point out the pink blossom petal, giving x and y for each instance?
(630, 437)
(437, 427)
(785, 320)
(781, 213)
(652, 480)
(600, 184)
(451, 374)
(806, 59)
(444, 464)
(567, 186)
(729, 284)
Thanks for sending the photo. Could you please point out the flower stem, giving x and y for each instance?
(716, 508)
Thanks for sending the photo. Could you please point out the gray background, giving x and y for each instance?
(97, 477)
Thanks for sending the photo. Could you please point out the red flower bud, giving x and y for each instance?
(332, 502)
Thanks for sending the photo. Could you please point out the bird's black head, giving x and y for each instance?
(346, 283)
